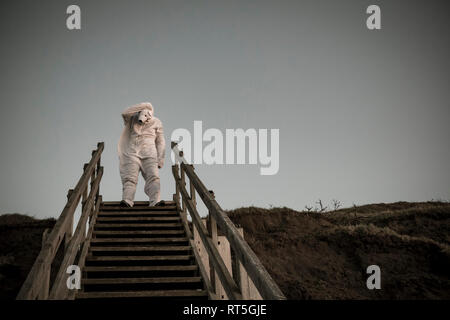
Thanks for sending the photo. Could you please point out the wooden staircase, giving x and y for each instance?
(140, 252)
(144, 252)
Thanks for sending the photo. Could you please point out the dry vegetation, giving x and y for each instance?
(314, 255)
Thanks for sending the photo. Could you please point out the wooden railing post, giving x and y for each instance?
(69, 229)
(179, 202)
(212, 230)
(176, 168)
(192, 190)
(97, 169)
(183, 183)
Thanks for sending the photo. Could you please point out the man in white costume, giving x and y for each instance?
(141, 149)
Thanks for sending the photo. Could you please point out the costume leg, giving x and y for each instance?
(129, 171)
(150, 172)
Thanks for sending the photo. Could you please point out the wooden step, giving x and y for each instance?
(141, 280)
(137, 214)
(141, 248)
(139, 232)
(138, 240)
(142, 294)
(139, 258)
(139, 268)
(111, 219)
(138, 225)
(136, 203)
(137, 209)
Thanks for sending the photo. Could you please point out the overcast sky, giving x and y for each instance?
(363, 115)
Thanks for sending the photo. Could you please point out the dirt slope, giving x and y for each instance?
(325, 255)
(20, 243)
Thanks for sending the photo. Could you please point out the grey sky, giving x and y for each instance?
(363, 115)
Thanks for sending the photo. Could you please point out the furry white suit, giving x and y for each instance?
(141, 149)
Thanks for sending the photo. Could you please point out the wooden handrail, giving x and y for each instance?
(37, 283)
(255, 269)
(60, 289)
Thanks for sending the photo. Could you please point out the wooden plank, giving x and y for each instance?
(137, 213)
(228, 283)
(110, 219)
(259, 275)
(141, 280)
(137, 225)
(140, 258)
(138, 232)
(138, 240)
(33, 282)
(139, 268)
(142, 294)
(141, 248)
(138, 209)
(136, 203)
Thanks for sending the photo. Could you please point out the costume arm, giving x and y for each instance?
(160, 145)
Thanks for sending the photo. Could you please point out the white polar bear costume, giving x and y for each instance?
(141, 148)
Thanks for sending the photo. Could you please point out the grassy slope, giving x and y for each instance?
(325, 255)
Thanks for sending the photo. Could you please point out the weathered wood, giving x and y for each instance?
(114, 214)
(209, 288)
(87, 240)
(183, 214)
(110, 219)
(141, 248)
(69, 229)
(192, 192)
(259, 275)
(138, 232)
(59, 290)
(138, 208)
(137, 240)
(142, 280)
(228, 283)
(140, 258)
(43, 294)
(138, 225)
(212, 229)
(235, 264)
(34, 281)
(142, 294)
(44, 236)
(140, 268)
(136, 203)
(183, 185)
